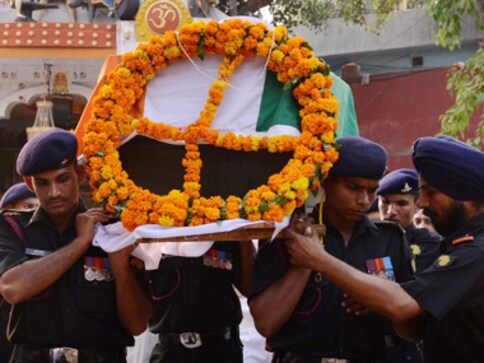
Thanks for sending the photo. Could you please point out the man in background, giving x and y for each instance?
(398, 194)
(19, 197)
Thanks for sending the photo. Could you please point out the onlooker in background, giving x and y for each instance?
(68, 297)
(420, 220)
(398, 194)
(20, 197)
(296, 308)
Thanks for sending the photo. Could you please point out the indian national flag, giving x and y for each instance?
(254, 103)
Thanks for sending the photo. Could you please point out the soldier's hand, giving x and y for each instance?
(86, 221)
(353, 306)
(123, 254)
(303, 243)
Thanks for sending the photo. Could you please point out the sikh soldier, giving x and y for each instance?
(299, 311)
(398, 194)
(18, 196)
(68, 297)
(443, 304)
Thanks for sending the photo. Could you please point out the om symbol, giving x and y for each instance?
(163, 16)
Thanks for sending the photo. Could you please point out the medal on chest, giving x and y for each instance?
(381, 267)
(218, 259)
(97, 269)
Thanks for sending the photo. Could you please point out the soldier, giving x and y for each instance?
(443, 304)
(18, 196)
(420, 220)
(196, 311)
(398, 194)
(297, 309)
(67, 296)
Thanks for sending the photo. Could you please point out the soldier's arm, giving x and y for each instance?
(383, 296)
(273, 307)
(24, 281)
(134, 307)
(247, 257)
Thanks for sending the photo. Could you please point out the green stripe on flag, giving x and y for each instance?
(277, 107)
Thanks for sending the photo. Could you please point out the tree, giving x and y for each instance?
(466, 83)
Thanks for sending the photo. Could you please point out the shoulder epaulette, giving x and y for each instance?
(462, 240)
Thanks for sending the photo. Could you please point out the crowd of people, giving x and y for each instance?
(381, 288)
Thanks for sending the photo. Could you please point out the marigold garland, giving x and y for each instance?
(295, 65)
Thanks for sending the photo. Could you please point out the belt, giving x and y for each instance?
(65, 354)
(290, 357)
(192, 340)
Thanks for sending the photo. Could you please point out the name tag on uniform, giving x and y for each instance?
(36, 252)
(218, 259)
(381, 267)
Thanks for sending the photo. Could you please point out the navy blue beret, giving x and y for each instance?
(400, 181)
(454, 168)
(15, 193)
(49, 150)
(359, 157)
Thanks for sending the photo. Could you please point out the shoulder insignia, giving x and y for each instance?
(444, 261)
(415, 249)
(462, 240)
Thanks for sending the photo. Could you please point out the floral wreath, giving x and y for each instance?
(296, 66)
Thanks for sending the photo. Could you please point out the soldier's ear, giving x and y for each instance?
(28, 181)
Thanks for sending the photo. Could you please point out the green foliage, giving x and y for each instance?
(313, 13)
(449, 14)
(466, 83)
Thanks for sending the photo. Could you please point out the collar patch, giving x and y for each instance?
(415, 249)
(444, 261)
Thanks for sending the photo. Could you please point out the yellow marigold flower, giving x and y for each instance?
(278, 56)
(301, 184)
(123, 72)
(171, 52)
(106, 172)
(269, 196)
(328, 137)
(166, 221)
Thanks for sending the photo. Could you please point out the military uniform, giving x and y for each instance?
(451, 292)
(424, 245)
(319, 326)
(5, 346)
(196, 311)
(78, 310)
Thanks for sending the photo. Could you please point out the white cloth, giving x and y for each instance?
(114, 237)
(254, 343)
